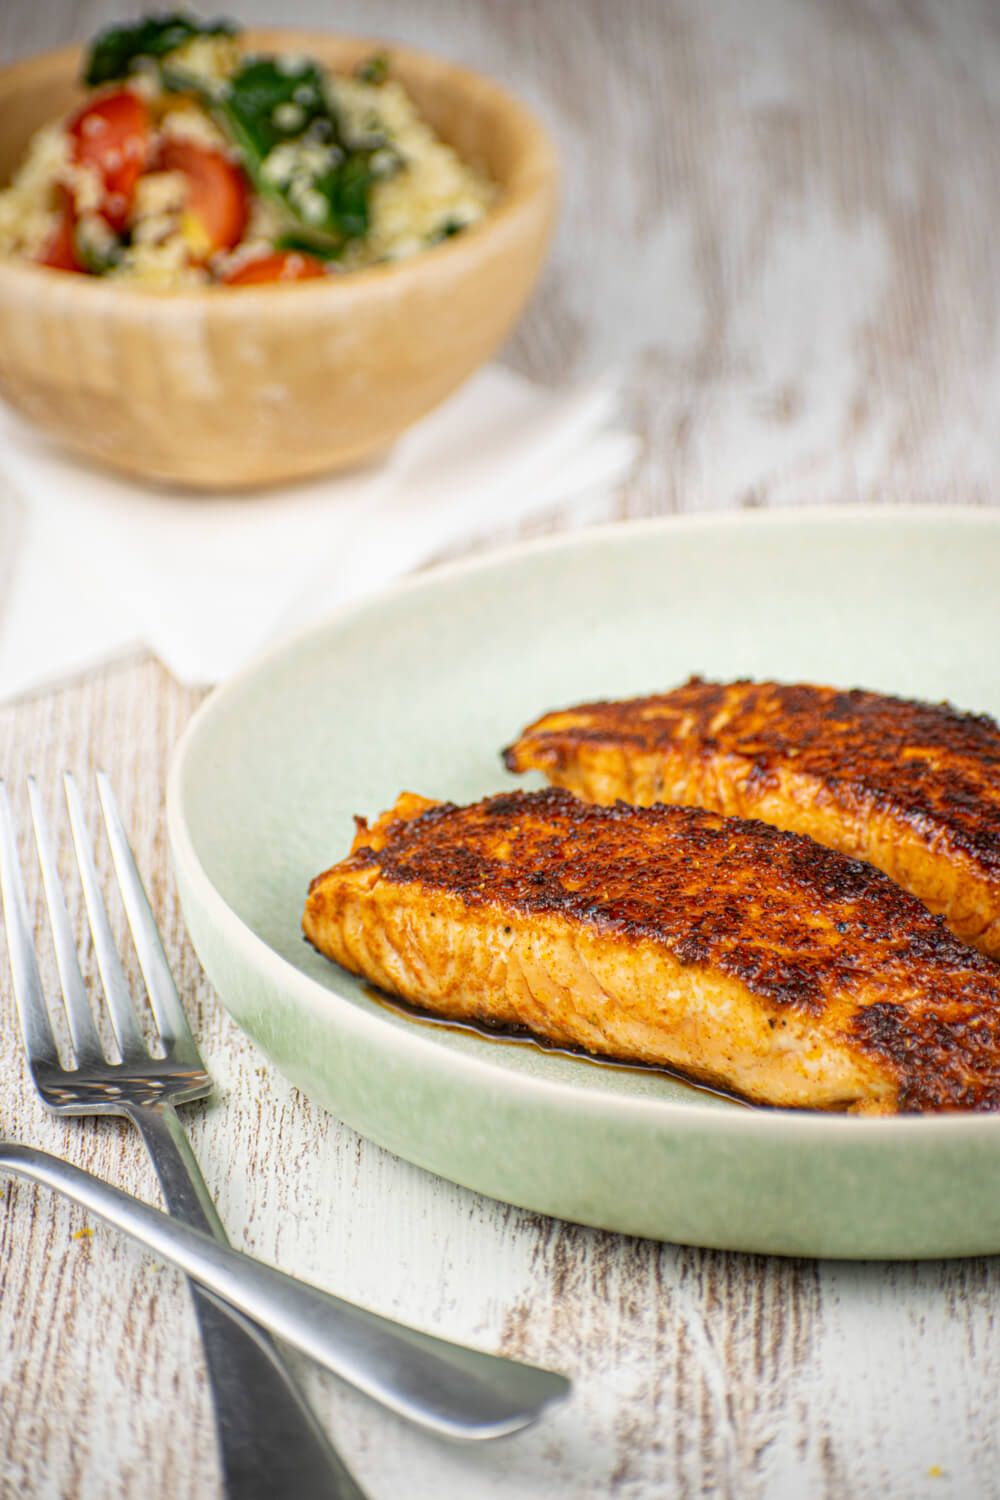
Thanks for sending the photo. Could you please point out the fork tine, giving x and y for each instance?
(163, 997)
(36, 1028)
(87, 1046)
(124, 1023)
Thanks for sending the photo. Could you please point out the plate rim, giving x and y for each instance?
(414, 1044)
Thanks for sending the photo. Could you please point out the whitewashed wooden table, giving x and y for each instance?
(781, 220)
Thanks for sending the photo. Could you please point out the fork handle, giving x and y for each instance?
(270, 1443)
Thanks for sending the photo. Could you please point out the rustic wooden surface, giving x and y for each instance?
(781, 221)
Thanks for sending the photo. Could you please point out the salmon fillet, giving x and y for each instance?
(751, 959)
(913, 788)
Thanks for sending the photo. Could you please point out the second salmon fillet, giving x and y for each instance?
(750, 959)
(913, 788)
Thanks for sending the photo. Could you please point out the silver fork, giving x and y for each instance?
(269, 1440)
(272, 1445)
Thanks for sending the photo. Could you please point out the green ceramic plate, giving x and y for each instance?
(418, 689)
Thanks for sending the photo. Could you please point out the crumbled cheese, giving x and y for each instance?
(279, 164)
(159, 193)
(289, 116)
(298, 161)
(310, 203)
(159, 203)
(85, 184)
(189, 123)
(145, 79)
(292, 64)
(161, 266)
(210, 59)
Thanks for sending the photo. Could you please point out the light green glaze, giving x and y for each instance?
(419, 689)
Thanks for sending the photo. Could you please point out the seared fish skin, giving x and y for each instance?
(913, 788)
(749, 958)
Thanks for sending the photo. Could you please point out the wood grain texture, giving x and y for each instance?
(781, 221)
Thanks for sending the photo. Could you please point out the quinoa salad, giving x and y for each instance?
(194, 162)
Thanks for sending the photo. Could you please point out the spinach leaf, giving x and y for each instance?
(269, 101)
(345, 188)
(114, 52)
(279, 114)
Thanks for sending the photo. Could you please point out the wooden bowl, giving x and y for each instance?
(222, 389)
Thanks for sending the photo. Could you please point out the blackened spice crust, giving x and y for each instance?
(929, 765)
(799, 925)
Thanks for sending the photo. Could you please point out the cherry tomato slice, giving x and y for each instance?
(283, 265)
(60, 252)
(112, 134)
(218, 197)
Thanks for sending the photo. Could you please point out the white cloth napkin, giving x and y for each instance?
(94, 567)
